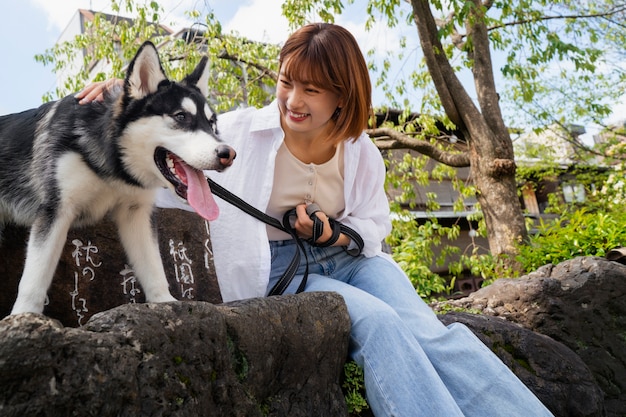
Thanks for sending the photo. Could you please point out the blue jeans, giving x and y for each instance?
(413, 364)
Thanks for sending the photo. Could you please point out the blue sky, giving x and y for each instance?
(25, 31)
(30, 27)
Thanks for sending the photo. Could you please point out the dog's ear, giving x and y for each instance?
(200, 77)
(144, 72)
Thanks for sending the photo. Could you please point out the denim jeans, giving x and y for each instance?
(413, 364)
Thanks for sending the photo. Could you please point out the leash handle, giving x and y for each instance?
(318, 227)
(337, 227)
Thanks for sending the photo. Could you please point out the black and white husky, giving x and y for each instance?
(65, 164)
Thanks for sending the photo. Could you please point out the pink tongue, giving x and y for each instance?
(199, 194)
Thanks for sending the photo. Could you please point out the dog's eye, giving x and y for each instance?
(213, 123)
(180, 116)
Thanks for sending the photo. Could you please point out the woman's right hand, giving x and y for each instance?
(95, 91)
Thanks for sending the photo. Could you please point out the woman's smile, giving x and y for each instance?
(297, 117)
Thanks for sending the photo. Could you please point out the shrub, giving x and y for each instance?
(577, 233)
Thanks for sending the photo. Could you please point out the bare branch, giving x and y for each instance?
(387, 139)
(604, 15)
(579, 147)
(264, 70)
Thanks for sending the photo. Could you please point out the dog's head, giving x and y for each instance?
(170, 134)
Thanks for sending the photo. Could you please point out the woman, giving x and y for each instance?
(308, 146)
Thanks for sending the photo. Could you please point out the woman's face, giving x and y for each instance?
(305, 108)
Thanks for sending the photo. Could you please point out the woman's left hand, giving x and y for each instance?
(95, 91)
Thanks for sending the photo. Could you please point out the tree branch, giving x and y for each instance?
(459, 107)
(482, 70)
(545, 18)
(435, 58)
(387, 139)
(264, 70)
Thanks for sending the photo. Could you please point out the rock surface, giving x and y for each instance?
(580, 303)
(278, 356)
(555, 374)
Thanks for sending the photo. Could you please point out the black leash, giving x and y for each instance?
(291, 270)
(285, 226)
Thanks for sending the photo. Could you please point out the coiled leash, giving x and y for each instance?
(285, 226)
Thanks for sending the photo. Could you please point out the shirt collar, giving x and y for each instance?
(266, 118)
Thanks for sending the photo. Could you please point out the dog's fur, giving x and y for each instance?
(65, 164)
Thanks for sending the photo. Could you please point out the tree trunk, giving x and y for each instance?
(494, 179)
(491, 149)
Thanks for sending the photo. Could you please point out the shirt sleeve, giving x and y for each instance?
(367, 207)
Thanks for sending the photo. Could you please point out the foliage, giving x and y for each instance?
(74, 59)
(353, 387)
(577, 233)
(589, 230)
(413, 247)
(414, 243)
(563, 59)
(242, 71)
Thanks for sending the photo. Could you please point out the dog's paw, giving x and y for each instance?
(163, 298)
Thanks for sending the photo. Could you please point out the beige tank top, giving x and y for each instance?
(296, 182)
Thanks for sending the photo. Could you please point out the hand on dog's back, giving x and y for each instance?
(95, 91)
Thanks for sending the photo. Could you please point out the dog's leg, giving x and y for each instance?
(45, 245)
(140, 243)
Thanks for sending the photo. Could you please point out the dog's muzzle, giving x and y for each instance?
(226, 155)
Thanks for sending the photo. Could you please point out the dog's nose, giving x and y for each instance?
(226, 154)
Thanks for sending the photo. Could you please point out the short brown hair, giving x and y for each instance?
(328, 56)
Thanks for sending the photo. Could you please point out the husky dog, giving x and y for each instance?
(64, 165)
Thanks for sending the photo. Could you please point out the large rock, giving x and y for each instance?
(93, 274)
(278, 356)
(580, 303)
(555, 374)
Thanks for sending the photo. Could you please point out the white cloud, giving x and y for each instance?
(619, 112)
(260, 20)
(59, 13)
